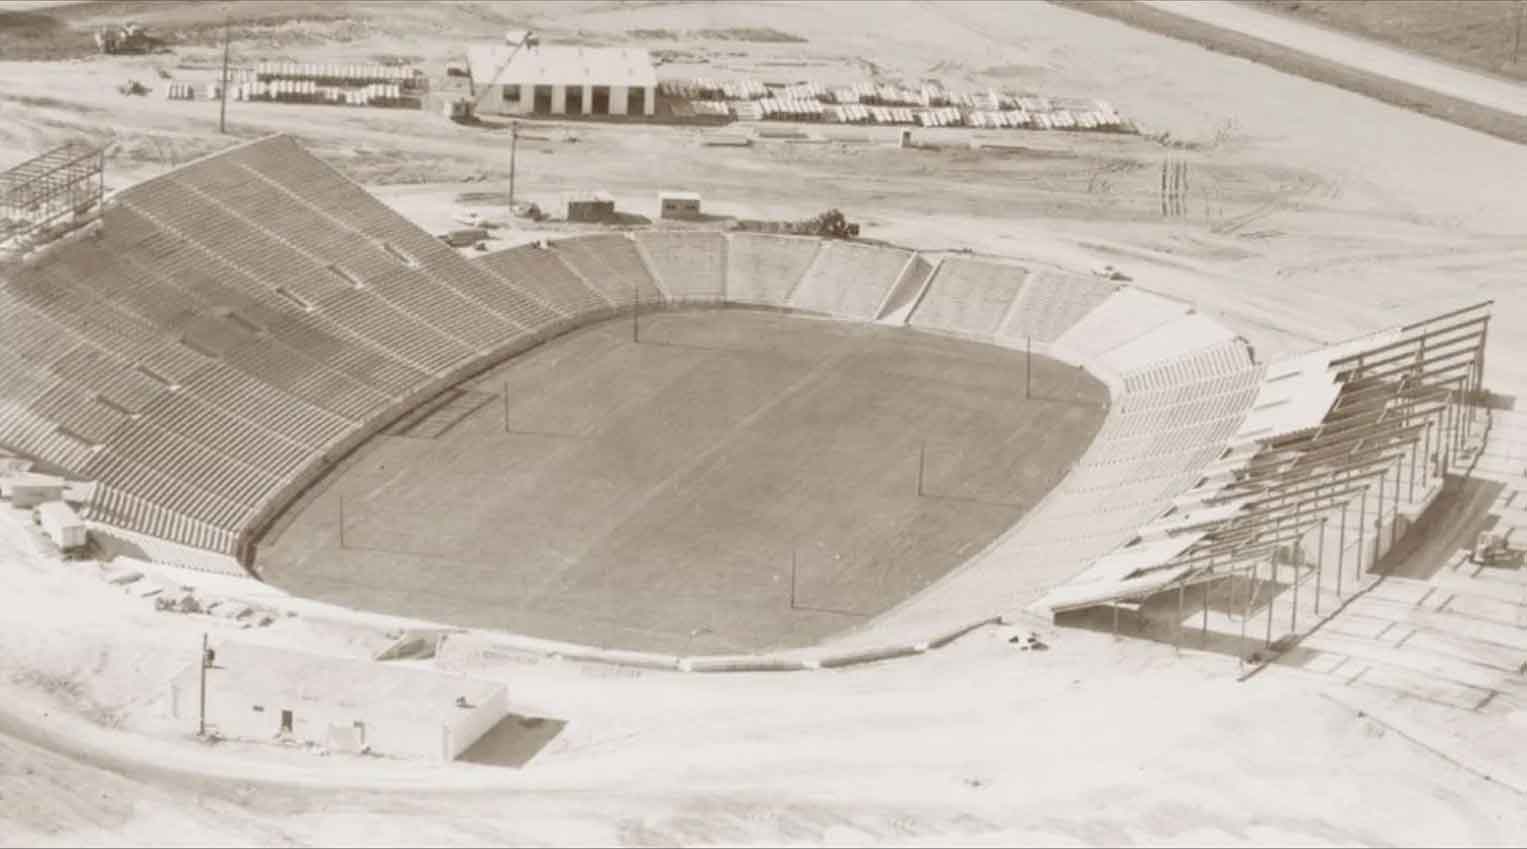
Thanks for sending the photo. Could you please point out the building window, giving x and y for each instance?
(259, 708)
(511, 95)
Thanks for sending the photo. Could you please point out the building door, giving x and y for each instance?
(542, 106)
(286, 722)
(575, 100)
(601, 98)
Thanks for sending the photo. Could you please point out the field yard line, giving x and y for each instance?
(636, 504)
(1356, 52)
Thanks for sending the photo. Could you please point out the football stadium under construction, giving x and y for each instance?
(208, 347)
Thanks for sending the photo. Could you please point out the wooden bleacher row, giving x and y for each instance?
(542, 273)
(1203, 365)
(309, 181)
(207, 279)
(208, 331)
(112, 506)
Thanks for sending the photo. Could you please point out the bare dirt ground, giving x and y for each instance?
(1316, 214)
(658, 496)
(1479, 34)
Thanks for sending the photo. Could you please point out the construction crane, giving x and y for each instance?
(464, 110)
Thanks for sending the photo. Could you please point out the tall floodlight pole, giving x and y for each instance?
(222, 111)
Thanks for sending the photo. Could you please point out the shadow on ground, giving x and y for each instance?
(514, 741)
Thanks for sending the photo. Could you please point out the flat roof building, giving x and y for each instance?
(562, 80)
(344, 704)
(679, 205)
(587, 206)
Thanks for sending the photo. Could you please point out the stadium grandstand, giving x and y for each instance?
(225, 333)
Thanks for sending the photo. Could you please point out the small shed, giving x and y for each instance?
(591, 206)
(62, 525)
(343, 704)
(684, 206)
(29, 489)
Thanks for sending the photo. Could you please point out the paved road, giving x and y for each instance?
(1356, 52)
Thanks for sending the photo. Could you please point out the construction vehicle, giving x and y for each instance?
(127, 38)
(1491, 548)
(463, 110)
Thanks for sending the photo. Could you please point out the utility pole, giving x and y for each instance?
(1516, 42)
(204, 662)
(1028, 365)
(222, 113)
(514, 143)
(794, 557)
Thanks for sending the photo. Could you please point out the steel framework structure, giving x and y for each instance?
(1402, 416)
(46, 196)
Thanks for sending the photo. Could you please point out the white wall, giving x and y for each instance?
(617, 100)
(649, 100)
(559, 100)
(466, 726)
(231, 713)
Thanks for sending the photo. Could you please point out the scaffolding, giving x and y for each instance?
(50, 195)
(1402, 419)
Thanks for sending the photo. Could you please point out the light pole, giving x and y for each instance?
(207, 657)
(222, 110)
(514, 143)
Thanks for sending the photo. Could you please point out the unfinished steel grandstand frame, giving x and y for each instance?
(1403, 416)
(50, 194)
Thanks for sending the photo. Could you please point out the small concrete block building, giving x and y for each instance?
(679, 205)
(592, 206)
(343, 704)
(562, 80)
(62, 525)
(29, 489)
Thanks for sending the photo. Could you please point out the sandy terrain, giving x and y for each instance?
(1316, 214)
(1475, 33)
(1360, 53)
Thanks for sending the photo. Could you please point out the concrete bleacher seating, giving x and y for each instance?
(610, 264)
(908, 289)
(1050, 303)
(1125, 316)
(763, 270)
(544, 274)
(969, 297)
(849, 281)
(239, 323)
(690, 265)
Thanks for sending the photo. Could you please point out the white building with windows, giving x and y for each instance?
(562, 80)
